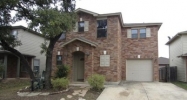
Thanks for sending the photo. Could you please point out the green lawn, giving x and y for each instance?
(10, 87)
(181, 84)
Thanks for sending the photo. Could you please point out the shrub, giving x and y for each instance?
(60, 83)
(96, 81)
(62, 71)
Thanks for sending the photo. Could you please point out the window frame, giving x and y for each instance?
(15, 35)
(37, 66)
(102, 35)
(58, 61)
(142, 33)
(81, 29)
(134, 34)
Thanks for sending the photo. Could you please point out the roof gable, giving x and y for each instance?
(80, 39)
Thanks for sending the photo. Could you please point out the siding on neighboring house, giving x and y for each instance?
(31, 45)
(176, 49)
(184, 45)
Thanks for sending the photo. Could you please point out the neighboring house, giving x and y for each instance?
(30, 48)
(103, 44)
(163, 62)
(178, 54)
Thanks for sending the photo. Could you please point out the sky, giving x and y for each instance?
(172, 13)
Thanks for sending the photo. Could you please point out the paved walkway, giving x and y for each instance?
(144, 91)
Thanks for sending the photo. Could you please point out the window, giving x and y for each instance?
(63, 36)
(59, 60)
(81, 26)
(101, 28)
(36, 65)
(15, 33)
(143, 33)
(134, 33)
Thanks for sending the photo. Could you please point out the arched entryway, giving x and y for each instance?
(78, 66)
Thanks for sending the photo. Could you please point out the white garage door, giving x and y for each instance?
(139, 70)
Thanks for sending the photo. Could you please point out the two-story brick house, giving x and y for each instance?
(30, 48)
(103, 44)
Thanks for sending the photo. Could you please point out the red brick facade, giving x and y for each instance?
(118, 46)
(12, 63)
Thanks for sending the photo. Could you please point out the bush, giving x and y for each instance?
(62, 71)
(96, 81)
(60, 83)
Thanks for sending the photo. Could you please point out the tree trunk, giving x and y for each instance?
(49, 55)
(22, 58)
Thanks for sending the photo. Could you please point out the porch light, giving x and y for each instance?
(104, 52)
(138, 56)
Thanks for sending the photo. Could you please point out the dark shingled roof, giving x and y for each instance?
(163, 60)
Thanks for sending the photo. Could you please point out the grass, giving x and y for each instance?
(10, 87)
(181, 84)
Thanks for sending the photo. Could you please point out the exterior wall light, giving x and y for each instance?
(104, 52)
(77, 48)
(58, 53)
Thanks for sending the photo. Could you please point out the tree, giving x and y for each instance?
(50, 17)
(53, 21)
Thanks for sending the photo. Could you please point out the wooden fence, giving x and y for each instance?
(168, 74)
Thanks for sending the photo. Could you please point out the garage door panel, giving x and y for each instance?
(139, 70)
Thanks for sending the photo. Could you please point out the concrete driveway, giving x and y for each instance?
(143, 91)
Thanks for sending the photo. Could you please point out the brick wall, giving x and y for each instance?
(147, 48)
(11, 66)
(92, 62)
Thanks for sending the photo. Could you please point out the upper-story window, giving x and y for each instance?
(134, 33)
(63, 36)
(15, 33)
(143, 33)
(101, 28)
(81, 26)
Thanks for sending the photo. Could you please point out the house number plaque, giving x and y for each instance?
(104, 60)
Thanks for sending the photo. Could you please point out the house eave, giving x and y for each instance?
(176, 36)
(8, 52)
(141, 24)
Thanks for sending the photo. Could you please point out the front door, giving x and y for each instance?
(78, 66)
